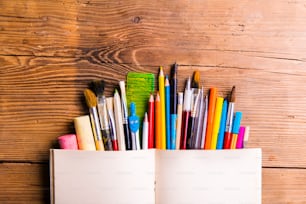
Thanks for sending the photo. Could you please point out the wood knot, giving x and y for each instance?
(136, 19)
(44, 18)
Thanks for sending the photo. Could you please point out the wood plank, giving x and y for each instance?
(29, 183)
(159, 32)
(282, 186)
(40, 97)
(24, 183)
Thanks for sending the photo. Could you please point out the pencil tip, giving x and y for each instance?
(161, 72)
(146, 117)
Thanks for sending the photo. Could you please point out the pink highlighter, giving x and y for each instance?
(68, 141)
(240, 138)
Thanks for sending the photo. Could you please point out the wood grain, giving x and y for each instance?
(24, 183)
(51, 50)
(282, 186)
(41, 96)
(31, 183)
(191, 32)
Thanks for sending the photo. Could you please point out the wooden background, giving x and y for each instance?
(51, 50)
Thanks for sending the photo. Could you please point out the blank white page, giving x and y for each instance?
(210, 177)
(94, 177)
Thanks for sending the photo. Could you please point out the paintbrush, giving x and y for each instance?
(194, 109)
(91, 102)
(229, 120)
(98, 86)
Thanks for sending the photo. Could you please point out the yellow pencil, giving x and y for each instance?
(216, 123)
(161, 80)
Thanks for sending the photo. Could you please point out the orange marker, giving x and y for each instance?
(210, 116)
(158, 133)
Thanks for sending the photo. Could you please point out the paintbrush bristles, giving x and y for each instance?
(196, 80)
(174, 70)
(90, 97)
(98, 87)
(233, 95)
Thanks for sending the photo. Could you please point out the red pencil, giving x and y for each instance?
(151, 122)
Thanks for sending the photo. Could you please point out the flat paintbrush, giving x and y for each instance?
(194, 110)
(103, 115)
(91, 102)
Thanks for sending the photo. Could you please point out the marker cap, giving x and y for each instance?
(237, 121)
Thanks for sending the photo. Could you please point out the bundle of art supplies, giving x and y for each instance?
(138, 117)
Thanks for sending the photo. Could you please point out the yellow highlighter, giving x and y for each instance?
(161, 81)
(216, 122)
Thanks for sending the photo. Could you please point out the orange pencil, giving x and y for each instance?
(158, 130)
(210, 116)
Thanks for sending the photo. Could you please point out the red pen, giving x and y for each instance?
(229, 120)
(186, 114)
(151, 122)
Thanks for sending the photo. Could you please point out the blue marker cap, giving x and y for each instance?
(237, 120)
(133, 119)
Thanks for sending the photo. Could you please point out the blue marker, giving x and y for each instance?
(167, 103)
(235, 131)
(134, 127)
(222, 125)
(237, 121)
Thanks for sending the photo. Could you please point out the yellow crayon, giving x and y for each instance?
(216, 122)
(161, 80)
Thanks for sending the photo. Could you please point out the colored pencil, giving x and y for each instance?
(151, 122)
(161, 80)
(210, 116)
(158, 133)
(179, 119)
(145, 132)
(167, 103)
(222, 125)
(216, 123)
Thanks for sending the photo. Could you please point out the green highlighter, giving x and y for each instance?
(139, 87)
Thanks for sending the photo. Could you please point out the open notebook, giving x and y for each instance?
(156, 176)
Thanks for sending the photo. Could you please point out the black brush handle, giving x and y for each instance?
(190, 133)
(127, 137)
